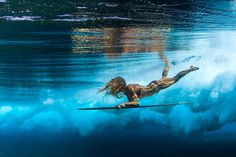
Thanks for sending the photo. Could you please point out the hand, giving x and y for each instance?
(120, 106)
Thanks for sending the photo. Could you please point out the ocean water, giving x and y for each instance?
(54, 56)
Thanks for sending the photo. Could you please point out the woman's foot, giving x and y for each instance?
(193, 68)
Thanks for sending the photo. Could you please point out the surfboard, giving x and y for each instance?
(133, 107)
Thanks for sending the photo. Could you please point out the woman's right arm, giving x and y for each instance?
(134, 101)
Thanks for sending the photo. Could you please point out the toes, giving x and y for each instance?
(194, 68)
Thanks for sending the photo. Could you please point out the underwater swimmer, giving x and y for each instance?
(118, 87)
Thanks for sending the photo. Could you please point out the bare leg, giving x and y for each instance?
(165, 71)
(167, 67)
(184, 72)
(164, 83)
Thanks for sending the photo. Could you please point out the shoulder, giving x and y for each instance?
(133, 87)
(130, 86)
(129, 89)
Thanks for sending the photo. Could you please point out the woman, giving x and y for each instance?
(118, 87)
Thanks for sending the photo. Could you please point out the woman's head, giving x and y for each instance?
(115, 87)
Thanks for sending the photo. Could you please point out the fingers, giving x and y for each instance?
(121, 106)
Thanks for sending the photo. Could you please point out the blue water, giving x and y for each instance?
(55, 60)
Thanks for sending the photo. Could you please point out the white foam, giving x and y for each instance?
(73, 19)
(49, 101)
(116, 18)
(5, 109)
(22, 18)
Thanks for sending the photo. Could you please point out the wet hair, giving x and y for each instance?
(115, 87)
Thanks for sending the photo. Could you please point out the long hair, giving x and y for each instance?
(115, 87)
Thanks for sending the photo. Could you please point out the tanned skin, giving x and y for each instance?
(135, 91)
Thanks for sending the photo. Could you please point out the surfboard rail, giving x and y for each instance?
(133, 107)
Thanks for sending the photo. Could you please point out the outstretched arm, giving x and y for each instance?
(128, 104)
